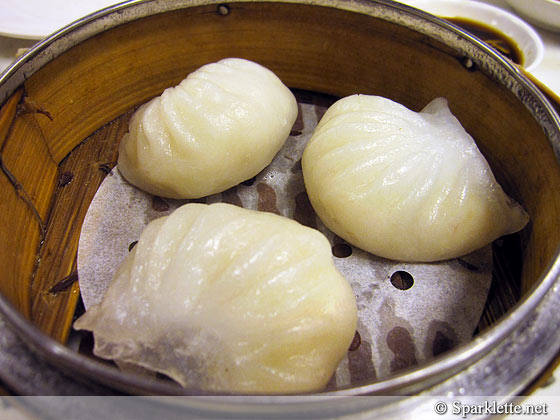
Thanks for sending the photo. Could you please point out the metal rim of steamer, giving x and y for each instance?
(524, 339)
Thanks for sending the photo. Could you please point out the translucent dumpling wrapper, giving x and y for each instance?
(223, 298)
(404, 185)
(220, 126)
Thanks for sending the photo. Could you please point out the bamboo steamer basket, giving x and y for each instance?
(65, 104)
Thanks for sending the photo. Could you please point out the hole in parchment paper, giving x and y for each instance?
(132, 245)
(402, 280)
(342, 250)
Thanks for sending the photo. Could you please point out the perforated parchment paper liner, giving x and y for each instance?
(408, 313)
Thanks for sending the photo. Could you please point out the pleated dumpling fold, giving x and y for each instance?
(404, 185)
(220, 126)
(227, 299)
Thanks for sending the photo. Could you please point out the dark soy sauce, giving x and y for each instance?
(499, 41)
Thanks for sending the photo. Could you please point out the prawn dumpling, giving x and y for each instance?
(220, 126)
(223, 298)
(404, 185)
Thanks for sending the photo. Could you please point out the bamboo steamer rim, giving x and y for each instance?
(483, 351)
